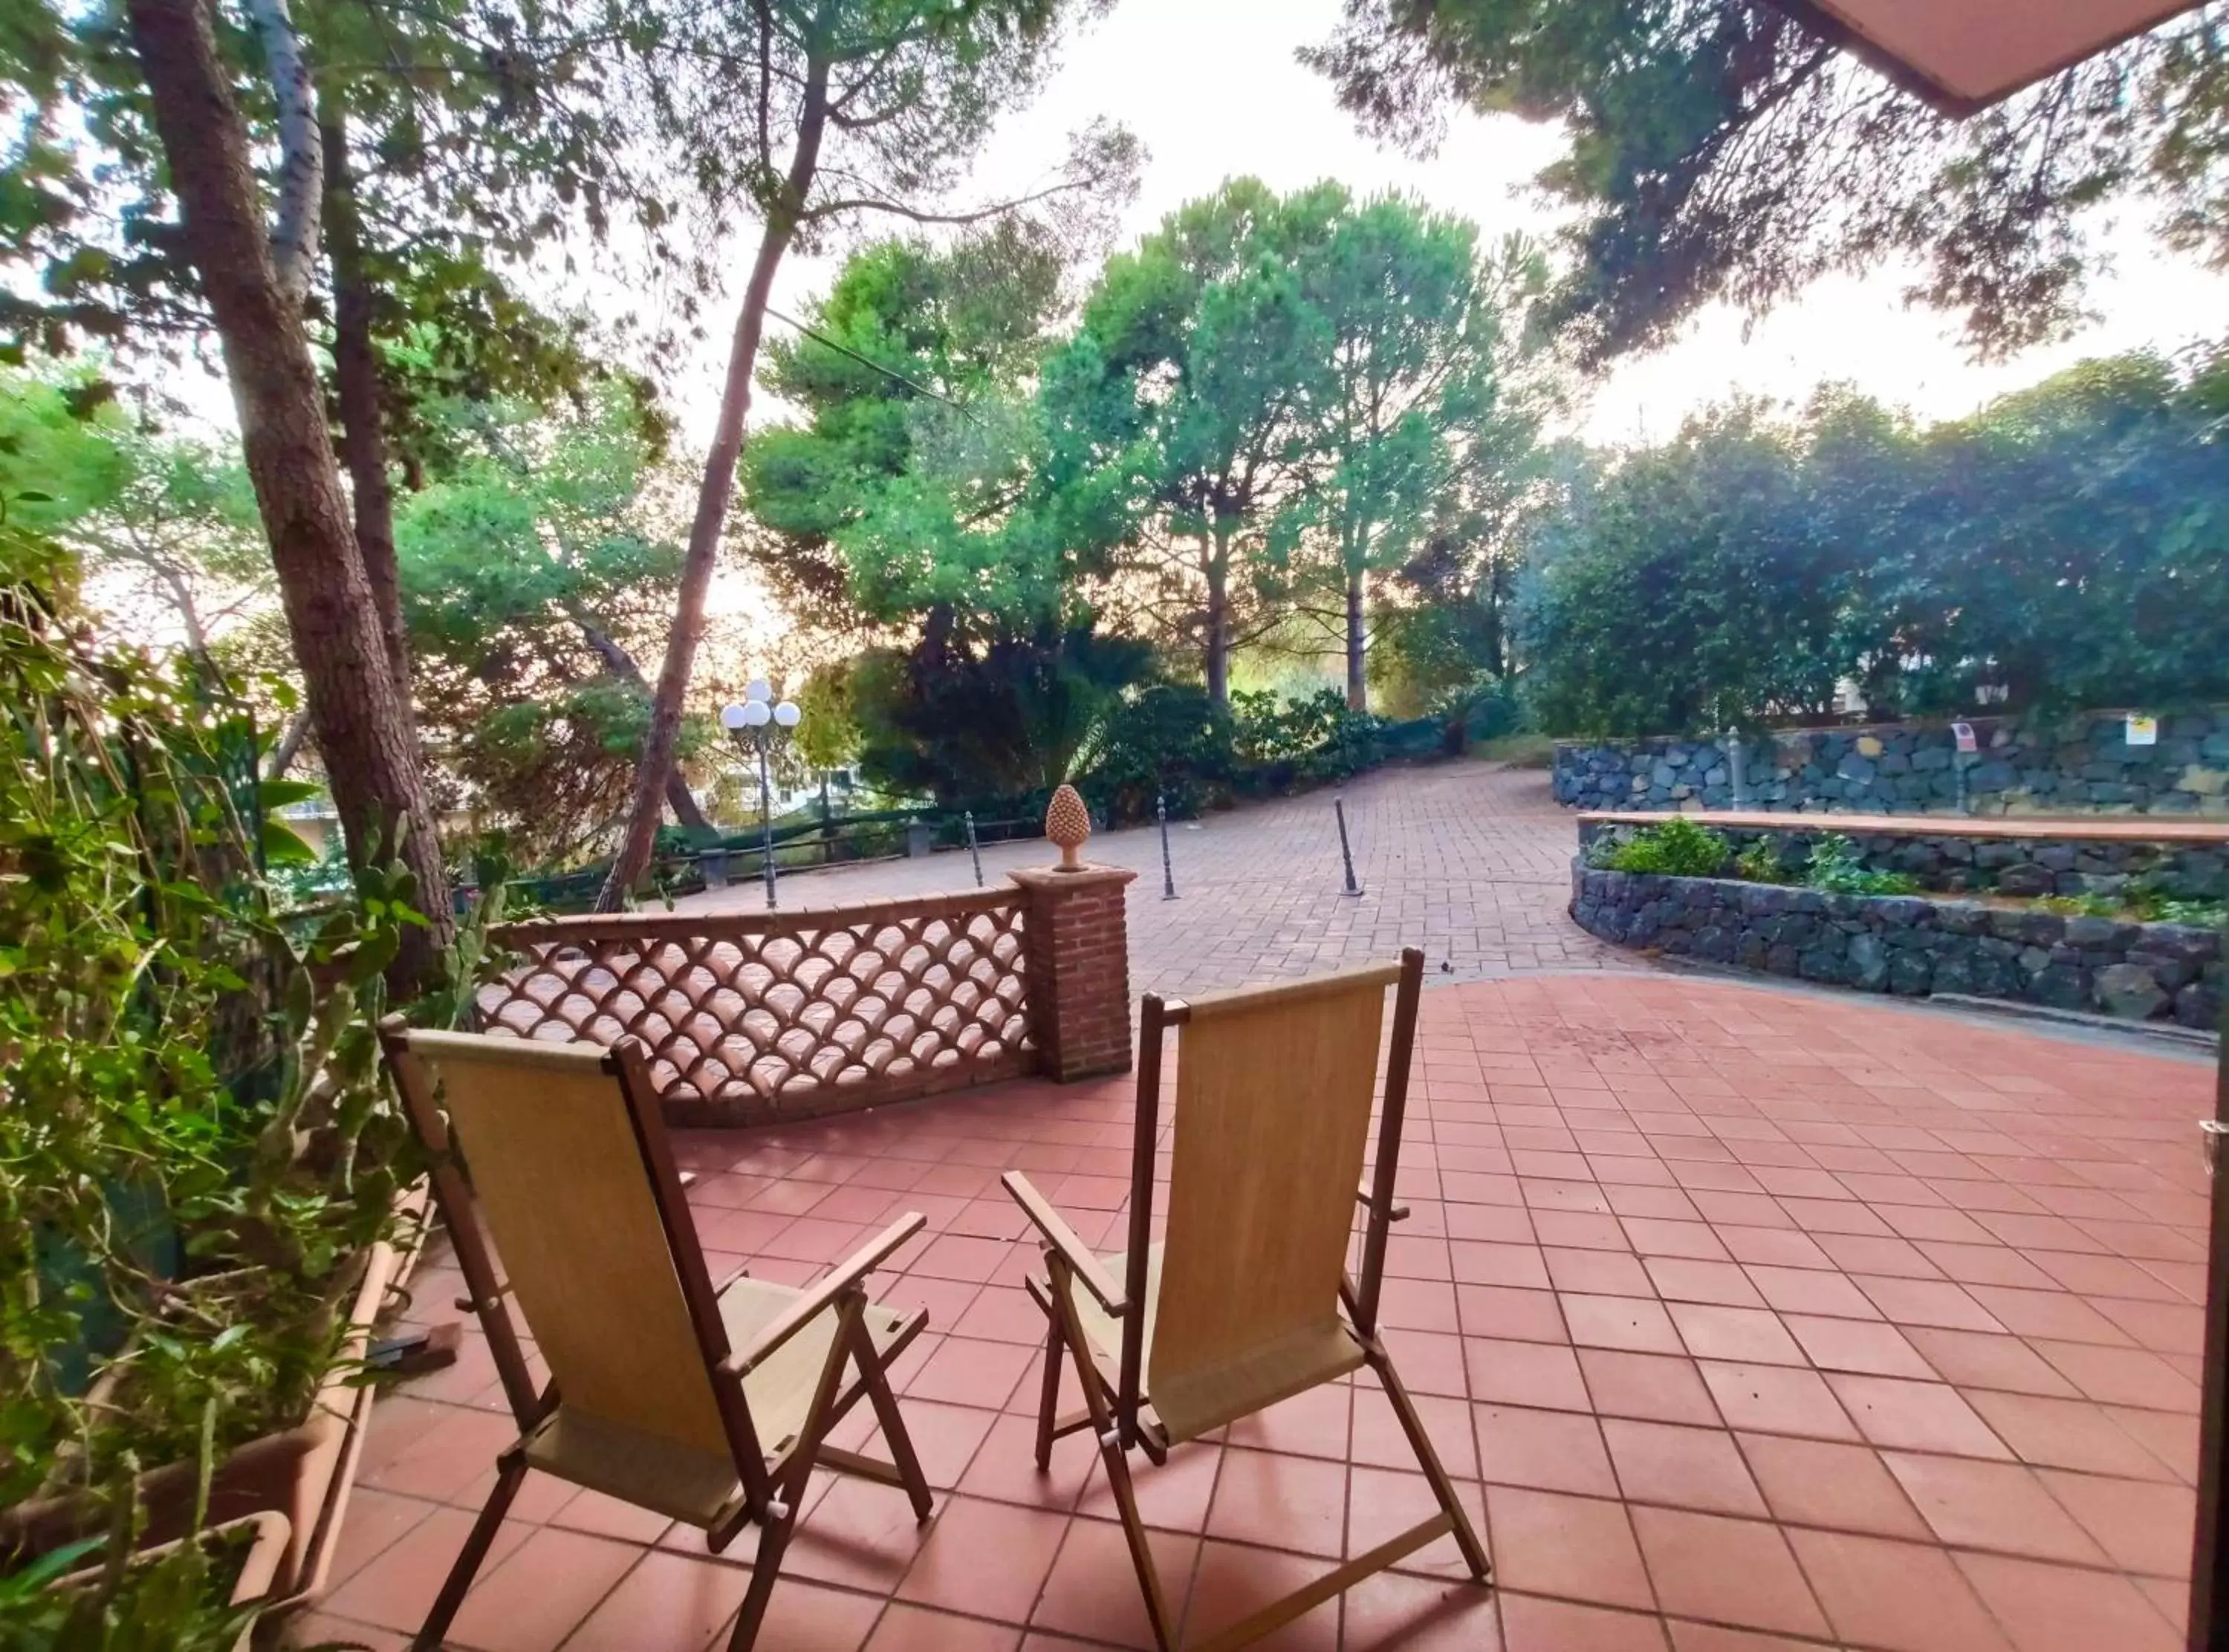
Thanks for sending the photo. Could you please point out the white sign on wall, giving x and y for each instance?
(2142, 730)
(1963, 733)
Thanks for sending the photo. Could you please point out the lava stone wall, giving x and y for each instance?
(1912, 946)
(2023, 767)
(1963, 862)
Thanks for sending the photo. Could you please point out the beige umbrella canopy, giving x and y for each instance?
(1962, 55)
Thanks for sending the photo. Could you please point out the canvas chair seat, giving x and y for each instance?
(681, 1481)
(1202, 1403)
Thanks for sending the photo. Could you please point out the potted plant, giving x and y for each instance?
(205, 1187)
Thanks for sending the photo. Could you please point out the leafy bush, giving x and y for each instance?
(1761, 863)
(1834, 867)
(1676, 849)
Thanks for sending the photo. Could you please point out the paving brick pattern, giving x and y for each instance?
(1466, 860)
(1748, 1321)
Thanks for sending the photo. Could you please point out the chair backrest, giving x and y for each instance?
(571, 1180)
(1274, 1095)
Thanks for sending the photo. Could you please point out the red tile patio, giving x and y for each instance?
(1748, 1319)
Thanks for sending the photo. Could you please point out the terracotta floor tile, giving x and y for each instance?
(667, 1600)
(1174, 1495)
(322, 1628)
(1802, 1290)
(1418, 1304)
(1926, 1302)
(1548, 1450)
(1004, 1467)
(2120, 1376)
(1523, 1374)
(1976, 1359)
(1519, 1266)
(1583, 1229)
(1605, 1273)
(1997, 1506)
(985, 1558)
(1775, 1399)
(1519, 1315)
(1900, 1597)
(1382, 1503)
(1819, 1483)
(1639, 1324)
(1651, 1236)
(1680, 1279)
(1681, 1467)
(1857, 1345)
(2060, 1608)
(1893, 1412)
(396, 1589)
(1272, 1501)
(1985, 1264)
(2065, 1434)
(917, 1629)
(2171, 1437)
(805, 1617)
(1688, 1636)
(1582, 1548)
(535, 1598)
(1420, 1615)
(1775, 1247)
(1736, 1571)
(1377, 1439)
(1751, 1336)
(2144, 1526)
(2054, 1314)
(1532, 1624)
(1233, 1583)
(1429, 1362)
(859, 1535)
(1312, 1424)
(1656, 1387)
(376, 1521)
(1093, 1589)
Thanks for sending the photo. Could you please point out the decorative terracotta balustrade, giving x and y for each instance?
(753, 1018)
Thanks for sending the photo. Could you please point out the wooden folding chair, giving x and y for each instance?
(711, 1407)
(1241, 1306)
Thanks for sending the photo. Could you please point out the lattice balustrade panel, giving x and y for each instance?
(788, 1014)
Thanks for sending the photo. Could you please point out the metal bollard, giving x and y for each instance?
(1345, 855)
(975, 854)
(1168, 873)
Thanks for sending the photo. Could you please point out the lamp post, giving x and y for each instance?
(759, 725)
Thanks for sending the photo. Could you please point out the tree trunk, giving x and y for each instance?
(289, 746)
(713, 496)
(1219, 619)
(1358, 682)
(370, 763)
(620, 663)
(356, 379)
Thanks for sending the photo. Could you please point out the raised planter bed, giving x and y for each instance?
(1912, 945)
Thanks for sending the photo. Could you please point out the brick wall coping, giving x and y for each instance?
(2148, 828)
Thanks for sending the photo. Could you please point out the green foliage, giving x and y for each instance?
(1676, 847)
(2067, 546)
(531, 571)
(197, 1145)
(2142, 905)
(1761, 862)
(1724, 150)
(1834, 867)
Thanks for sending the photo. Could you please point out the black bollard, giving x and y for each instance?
(1345, 855)
(1168, 873)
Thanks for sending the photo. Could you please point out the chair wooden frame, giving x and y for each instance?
(769, 1485)
(1114, 1402)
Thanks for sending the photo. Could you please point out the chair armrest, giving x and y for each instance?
(819, 1296)
(1057, 1233)
(1398, 1213)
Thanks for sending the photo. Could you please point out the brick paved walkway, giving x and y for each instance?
(1466, 860)
(1749, 1321)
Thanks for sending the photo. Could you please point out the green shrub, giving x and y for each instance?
(1676, 849)
(1835, 868)
(1761, 863)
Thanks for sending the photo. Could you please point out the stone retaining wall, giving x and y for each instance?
(2023, 767)
(1965, 861)
(1912, 946)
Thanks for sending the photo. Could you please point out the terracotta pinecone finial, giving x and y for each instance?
(1068, 824)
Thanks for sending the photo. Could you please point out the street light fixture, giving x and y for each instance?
(759, 725)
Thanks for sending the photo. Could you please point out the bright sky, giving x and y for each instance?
(1212, 88)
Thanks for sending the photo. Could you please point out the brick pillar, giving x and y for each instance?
(1079, 969)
